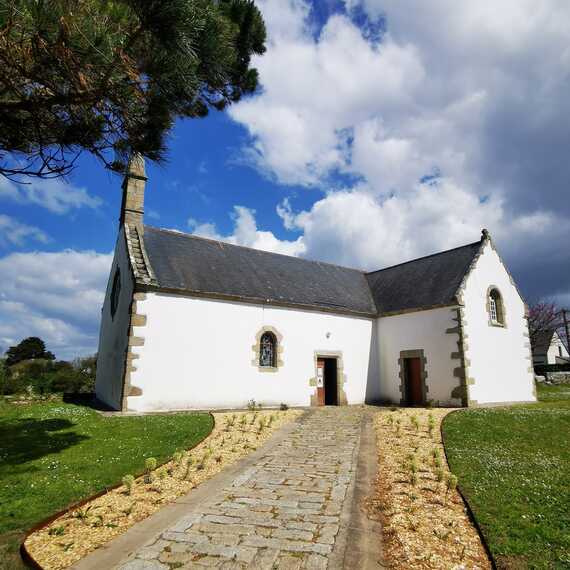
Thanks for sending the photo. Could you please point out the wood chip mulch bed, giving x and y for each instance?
(80, 531)
(425, 522)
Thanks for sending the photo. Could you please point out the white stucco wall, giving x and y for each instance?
(499, 356)
(556, 346)
(424, 330)
(113, 334)
(198, 353)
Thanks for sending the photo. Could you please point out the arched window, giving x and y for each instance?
(268, 350)
(115, 292)
(496, 309)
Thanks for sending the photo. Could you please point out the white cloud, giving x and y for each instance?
(316, 91)
(246, 233)
(15, 233)
(56, 296)
(473, 92)
(53, 194)
(358, 229)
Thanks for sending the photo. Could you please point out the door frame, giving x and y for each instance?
(415, 353)
(340, 376)
(328, 393)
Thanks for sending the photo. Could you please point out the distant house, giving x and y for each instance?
(548, 348)
(190, 322)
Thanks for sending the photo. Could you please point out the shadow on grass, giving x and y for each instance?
(27, 439)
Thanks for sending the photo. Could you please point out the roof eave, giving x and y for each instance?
(146, 287)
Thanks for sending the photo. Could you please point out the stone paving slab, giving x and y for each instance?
(284, 512)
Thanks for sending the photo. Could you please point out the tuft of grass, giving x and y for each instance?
(513, 463)
(150, 464)
(129, 482)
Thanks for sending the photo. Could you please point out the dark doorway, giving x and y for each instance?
(327, 388)
(414, 382)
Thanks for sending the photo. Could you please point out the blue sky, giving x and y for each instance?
(381, 132)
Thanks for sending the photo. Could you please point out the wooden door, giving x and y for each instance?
(320, 382)
(414, 392)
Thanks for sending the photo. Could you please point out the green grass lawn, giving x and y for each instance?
(54, 454)
(513, 466)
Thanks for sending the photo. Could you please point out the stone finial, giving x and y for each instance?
(485, 235)
(132, 209)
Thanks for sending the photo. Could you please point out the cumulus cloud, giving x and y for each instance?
(15, 233)
(54, 194)
(314, 92)
(471, 94)
(246, 233)
(56, 296)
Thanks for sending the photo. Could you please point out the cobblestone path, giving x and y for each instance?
(282, 513)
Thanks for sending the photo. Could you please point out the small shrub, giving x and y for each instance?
(451, 482)
(149, 466)
(390, 421)
(414, 479)
(413, 525)
(439, 475)
(414, 421)
(283, 407)
(437, 462)
(393, 408)
(243, 421)
(56, 531)
(218, 458)
(129, 482)
(202, 463)
(189, 464)
(82, 514)
(177, 457)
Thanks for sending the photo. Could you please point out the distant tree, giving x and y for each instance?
(113, 75)
(30, 348)
(3, 376)
(544, 317)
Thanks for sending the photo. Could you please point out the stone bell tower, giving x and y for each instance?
(132, 208)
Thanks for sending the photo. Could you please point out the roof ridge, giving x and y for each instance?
(423, 257)
(194, 236)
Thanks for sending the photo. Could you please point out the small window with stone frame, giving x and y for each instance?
(496, 310)
(268, 350)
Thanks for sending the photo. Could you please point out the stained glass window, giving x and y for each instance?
(267, 350)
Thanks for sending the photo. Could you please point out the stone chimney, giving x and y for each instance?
(132, 208)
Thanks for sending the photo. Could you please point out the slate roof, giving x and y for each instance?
(198, 265)
(187, 263)
(542, 341)
(424, 282)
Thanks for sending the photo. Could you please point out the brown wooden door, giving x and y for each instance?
(320, 382)
(414, 392)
